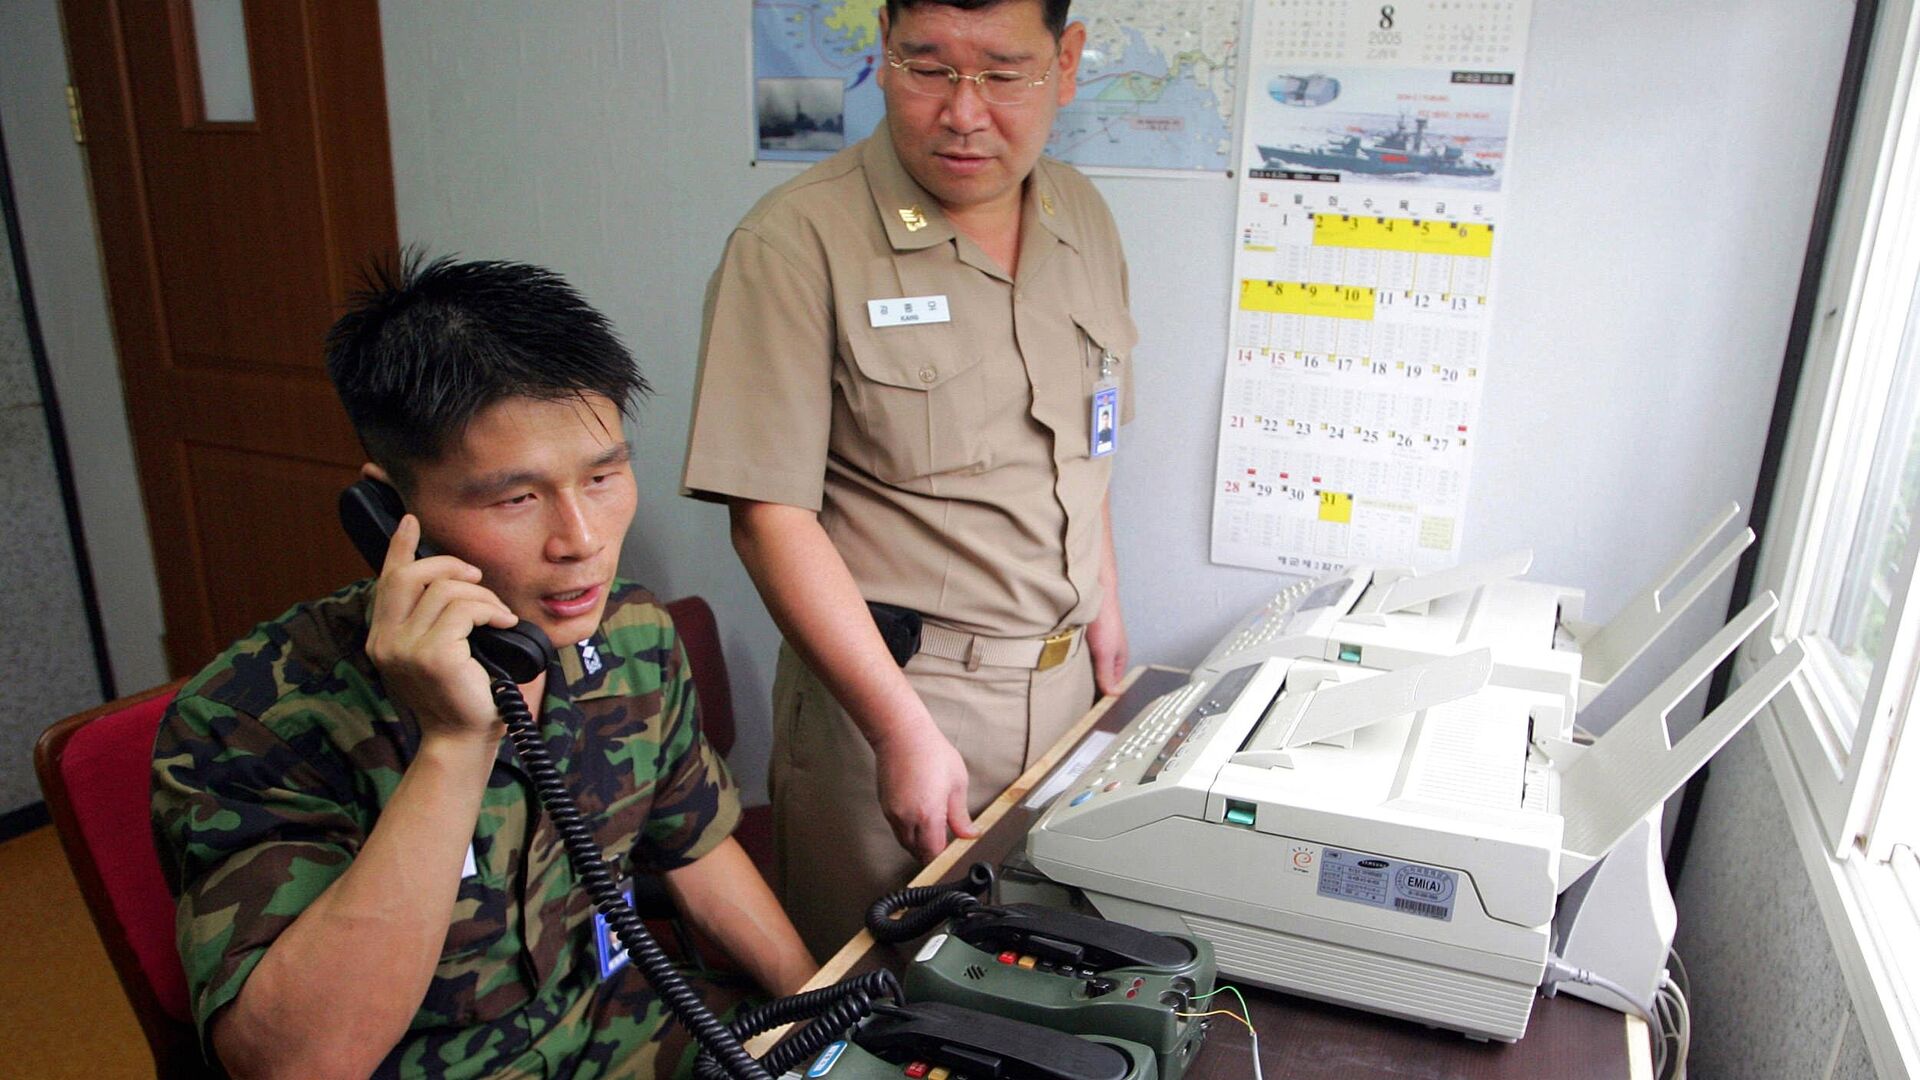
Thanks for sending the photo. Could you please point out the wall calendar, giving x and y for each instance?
(1375, 144)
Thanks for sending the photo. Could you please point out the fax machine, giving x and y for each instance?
(1370, 793)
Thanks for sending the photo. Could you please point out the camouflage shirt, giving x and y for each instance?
(271, 769)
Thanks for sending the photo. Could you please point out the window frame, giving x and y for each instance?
(1847, 775)
(1843, 754)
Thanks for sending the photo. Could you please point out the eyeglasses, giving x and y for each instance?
(930, 79)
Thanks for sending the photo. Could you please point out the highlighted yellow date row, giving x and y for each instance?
(1307, 298)
(1403, 234)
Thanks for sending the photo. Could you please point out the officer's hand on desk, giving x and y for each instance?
(423, 612)
(923, 789)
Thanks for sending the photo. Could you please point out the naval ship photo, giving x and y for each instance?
(1404, 151)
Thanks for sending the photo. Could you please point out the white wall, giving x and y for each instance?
(1663, 180)
(1664, 170)
(63, 257)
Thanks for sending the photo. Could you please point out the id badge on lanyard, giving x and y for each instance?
(612, 954)
(1104, 419)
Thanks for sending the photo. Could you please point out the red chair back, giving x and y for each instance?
(94, 769)
(700, 637)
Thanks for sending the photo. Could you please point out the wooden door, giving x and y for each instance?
(229, 246)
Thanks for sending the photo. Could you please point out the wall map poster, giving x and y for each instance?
(1376, 145)
(1156, 85)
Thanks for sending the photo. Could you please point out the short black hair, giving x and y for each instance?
(425, 346)
(1054, 12)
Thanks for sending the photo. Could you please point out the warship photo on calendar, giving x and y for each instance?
(1383, 125)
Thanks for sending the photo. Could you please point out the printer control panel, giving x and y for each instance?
(1157, 745)
(1294, 623)
(1212, 703)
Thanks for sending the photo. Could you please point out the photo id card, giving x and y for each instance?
(613, 955)
(1106, 419)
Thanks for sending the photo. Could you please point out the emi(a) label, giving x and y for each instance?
(1392, 884)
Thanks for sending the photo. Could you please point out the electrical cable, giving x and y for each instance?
(1559, 970)
(1225, 988)
(1678, 967)
(1667, 1019)
(1680, 1022)
(836, 1007)
(1666, 1032)
(1661, 1036)
(1675, 1027)
(1252, 1033)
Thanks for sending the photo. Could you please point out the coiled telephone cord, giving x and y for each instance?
(927, 906)
(836, 1008)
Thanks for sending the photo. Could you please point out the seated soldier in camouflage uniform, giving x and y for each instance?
(366, 884)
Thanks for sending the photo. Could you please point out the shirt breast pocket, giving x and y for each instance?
(471, 961)
(1107, 345)
(916, 397)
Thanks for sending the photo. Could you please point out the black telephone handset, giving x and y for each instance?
(981, 1044)
(1069, 938)
(370, 511)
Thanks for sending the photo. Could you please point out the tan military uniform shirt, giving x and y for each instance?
(949, 461)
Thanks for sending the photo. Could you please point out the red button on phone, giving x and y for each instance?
(1008, 957)
(917, 1070)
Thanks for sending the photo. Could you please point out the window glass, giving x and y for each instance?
(1858, 626)
(226, 75)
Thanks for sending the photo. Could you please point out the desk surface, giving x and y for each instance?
(1566, 1038)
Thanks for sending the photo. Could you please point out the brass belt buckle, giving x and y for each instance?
(1055, 648)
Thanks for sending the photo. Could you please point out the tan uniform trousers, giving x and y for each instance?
(835, 854)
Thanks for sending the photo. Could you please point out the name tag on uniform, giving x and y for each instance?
(908, 310)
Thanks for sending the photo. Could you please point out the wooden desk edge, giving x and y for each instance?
(1639, 1049)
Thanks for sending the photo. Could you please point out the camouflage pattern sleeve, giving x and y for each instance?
(250, 831)
(695, 803)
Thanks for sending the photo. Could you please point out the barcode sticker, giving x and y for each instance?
(1419, 907)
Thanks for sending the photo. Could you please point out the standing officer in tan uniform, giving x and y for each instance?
(914, 358)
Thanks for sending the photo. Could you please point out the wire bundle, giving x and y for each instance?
(1245, 1016)
(1669, 1018)
(1673, 1029)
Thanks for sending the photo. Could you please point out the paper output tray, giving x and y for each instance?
(1606, 651)
(1634, 767)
